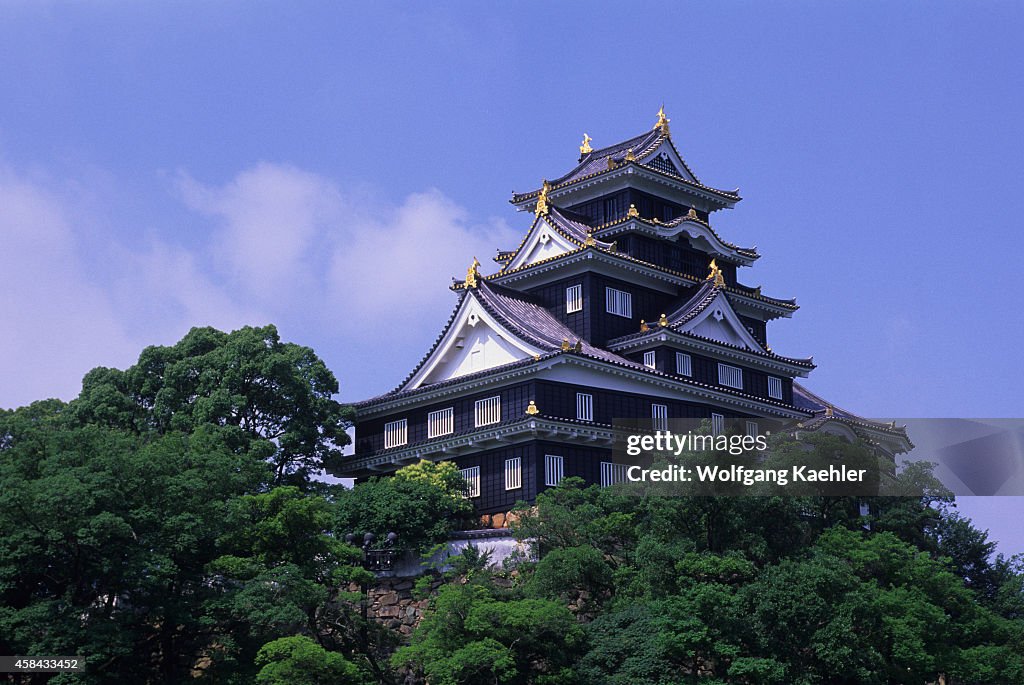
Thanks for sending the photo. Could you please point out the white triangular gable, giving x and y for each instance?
(720, 322)
(475, 341)
(669, 152)
(542, 242)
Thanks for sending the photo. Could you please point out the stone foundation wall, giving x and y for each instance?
(392, 605)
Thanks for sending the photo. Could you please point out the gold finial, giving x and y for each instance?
(663, 120)
(663, 320)
(590, 242)
(585, 148)
(629, 155)
(542, 199)
(536, 357)
(472, 273)
(614, 247)
(716, 275)
(578, 347)
(633, 211)
(692, 214)
(828, 410)
(565, 344)
(611, 162)
(531, 408)
(643, 326)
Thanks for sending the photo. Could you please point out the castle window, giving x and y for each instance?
(573, 299)
(717, 424)
(472, 478)
(513, 473)
(487, 411)
(440, 422)
(584, 406)
(659, 416)
(684, 364)
(554, 469)
(774, 387)
(730, 376)
(752, 429)
(618, 302)
(650, 359)
(612, 473)
(396, 433)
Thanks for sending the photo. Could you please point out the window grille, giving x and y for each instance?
(618, 302)
(612, 473)
(717, 424)
(472, 478)
(684, 364)
(396, 433)
(650, 359)
(573, 299)
(554, 469)
(440, 422)
(775, 387)
(752, 429)
(487, 411)
(584, 406)
(659, 416)
(730, 376)
(513, 473)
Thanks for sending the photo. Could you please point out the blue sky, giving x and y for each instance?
(329, 167)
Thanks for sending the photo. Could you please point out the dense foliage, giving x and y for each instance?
(167, 525)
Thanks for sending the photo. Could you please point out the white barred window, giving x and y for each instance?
(659, 416)
(717, 424)
(618, 302)
(472, 478)
(612, 473)
(684, 364)
(752, 429)
(573, 299)
(440, 422)
(396, 433)
(731, 376)
(488, 411)
(513, 473)
(650, 359)
(554, 469)
(774, 387)
(584, 406)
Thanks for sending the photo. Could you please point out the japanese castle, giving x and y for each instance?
(621, 302)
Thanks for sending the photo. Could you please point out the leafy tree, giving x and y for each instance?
(281, 393)
(422, 503)
(300, 661)
(471, 636)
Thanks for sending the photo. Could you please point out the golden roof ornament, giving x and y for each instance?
(542, 199)
(472, 273)
(578, 347)
(716, 275)
(531, 408)
(692, 214)
(611, 162)
(828, 410)
(585, 148)
(565, 344)
(629, 155)
(663, 320)
(590, 242)
(633, 211)
(663, 120)
(643, 326)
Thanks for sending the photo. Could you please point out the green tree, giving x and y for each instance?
(300, 661)
(277, 392)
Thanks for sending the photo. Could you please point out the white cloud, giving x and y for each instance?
(334, 268)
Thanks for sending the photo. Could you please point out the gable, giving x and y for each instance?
(542, 242)
(720, 322)
(475, 341)
(665, 158)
